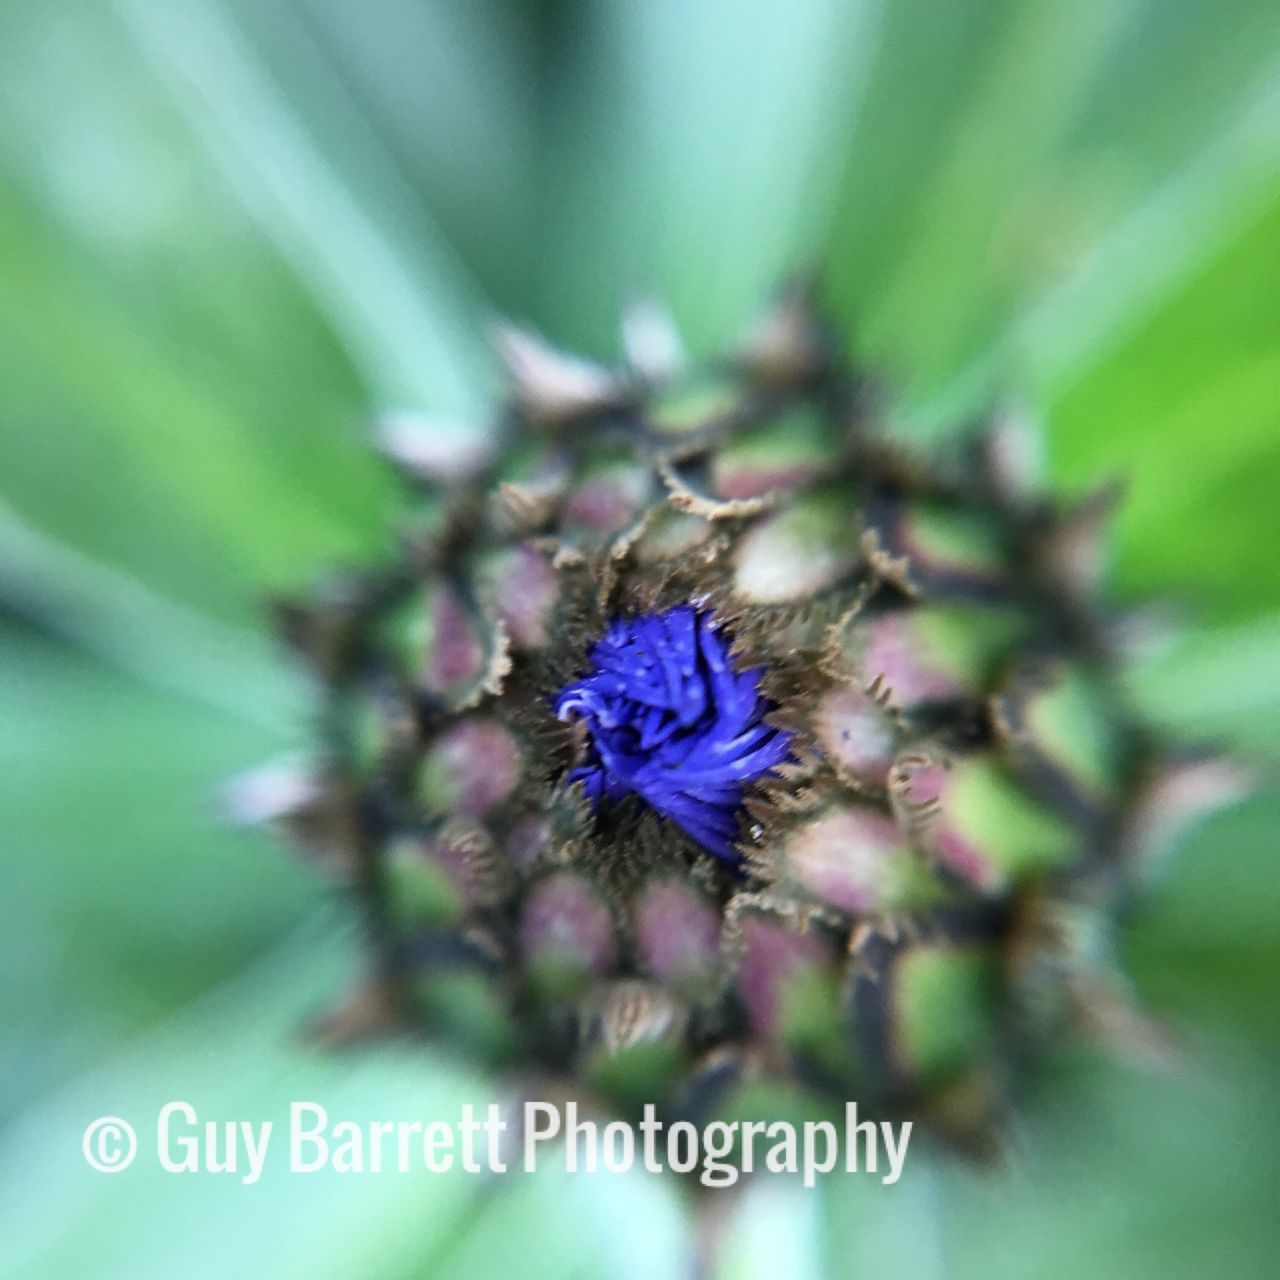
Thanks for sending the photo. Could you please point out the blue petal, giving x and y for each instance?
(671, 720)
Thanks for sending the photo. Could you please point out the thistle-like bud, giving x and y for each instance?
(705, 737)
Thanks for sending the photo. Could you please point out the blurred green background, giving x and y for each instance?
(230, 230)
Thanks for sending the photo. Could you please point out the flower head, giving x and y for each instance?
(596, 650)
(671, 720)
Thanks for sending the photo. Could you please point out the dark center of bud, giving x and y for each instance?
(670, 720)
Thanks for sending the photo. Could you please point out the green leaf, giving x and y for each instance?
(119, 619)
(1001, 220)
(1186, 408)
(231, 1058)
(691, 157)
(119, 860)
(1217, 684)
(947, 286)
(387, 281)
(447, 93)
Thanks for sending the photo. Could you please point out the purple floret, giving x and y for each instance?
(672, 721)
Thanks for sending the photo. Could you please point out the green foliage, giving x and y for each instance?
(232, 232)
